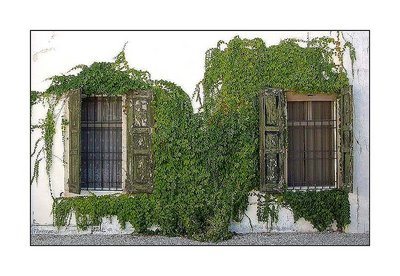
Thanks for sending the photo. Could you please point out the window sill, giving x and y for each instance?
(311, 188)
(100, 193)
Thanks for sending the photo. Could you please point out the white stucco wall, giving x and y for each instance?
(179, 57)
(360, 198)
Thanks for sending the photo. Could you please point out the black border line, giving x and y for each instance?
(204, 30)
(30, 138)
(198, 30)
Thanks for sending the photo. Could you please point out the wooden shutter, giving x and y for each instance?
(74, 163)
(273, 139)
(345, 134)
(139, 129)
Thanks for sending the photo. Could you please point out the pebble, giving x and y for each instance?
(238, 239)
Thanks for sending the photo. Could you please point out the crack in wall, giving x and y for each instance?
(358, 210)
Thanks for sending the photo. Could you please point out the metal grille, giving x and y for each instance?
(101, 143)
(312, 154)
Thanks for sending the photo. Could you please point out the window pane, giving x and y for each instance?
(322, 110)
(101, 143)
(311, 154)
(296, 155)
(297, 111)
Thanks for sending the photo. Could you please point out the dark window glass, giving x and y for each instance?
(311, 154)
(101, 144)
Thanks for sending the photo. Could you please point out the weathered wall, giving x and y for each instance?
(181, 59)
(360, 198)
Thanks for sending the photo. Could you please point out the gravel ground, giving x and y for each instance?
(242, 239)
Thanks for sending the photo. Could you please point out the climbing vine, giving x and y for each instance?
(90, 210)
(268, 208)
(320, 208)
(34, 98)
(48, 132)
(206, 163)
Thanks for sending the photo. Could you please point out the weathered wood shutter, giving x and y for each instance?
(139, 129)
(345, 134)
(273, 139)
(74, 163)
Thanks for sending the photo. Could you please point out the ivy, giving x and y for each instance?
(35, 97)
(321, 208)
(89, 211)
(268, 208)
(49, 130)
(101, 78)
(206, 163)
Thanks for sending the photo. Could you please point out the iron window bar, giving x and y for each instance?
(311, 166)
(101, 143)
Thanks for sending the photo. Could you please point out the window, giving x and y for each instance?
(109, 143)
(101, 143)
(306, 141)
(311, 144)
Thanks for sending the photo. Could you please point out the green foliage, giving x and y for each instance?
(48, 131)
(35, 97)
(89, 210)
(352, 52)
(206, 163)
(268, 208)
(38, 158)
(321, 208)
(101, 78)
(307, 70)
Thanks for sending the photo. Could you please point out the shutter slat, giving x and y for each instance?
(139, 129)
(273, 140)
(74, 106)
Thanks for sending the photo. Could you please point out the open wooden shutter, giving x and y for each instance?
(345, 134)
(139, 129)
(273, 139)
(74, 163)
